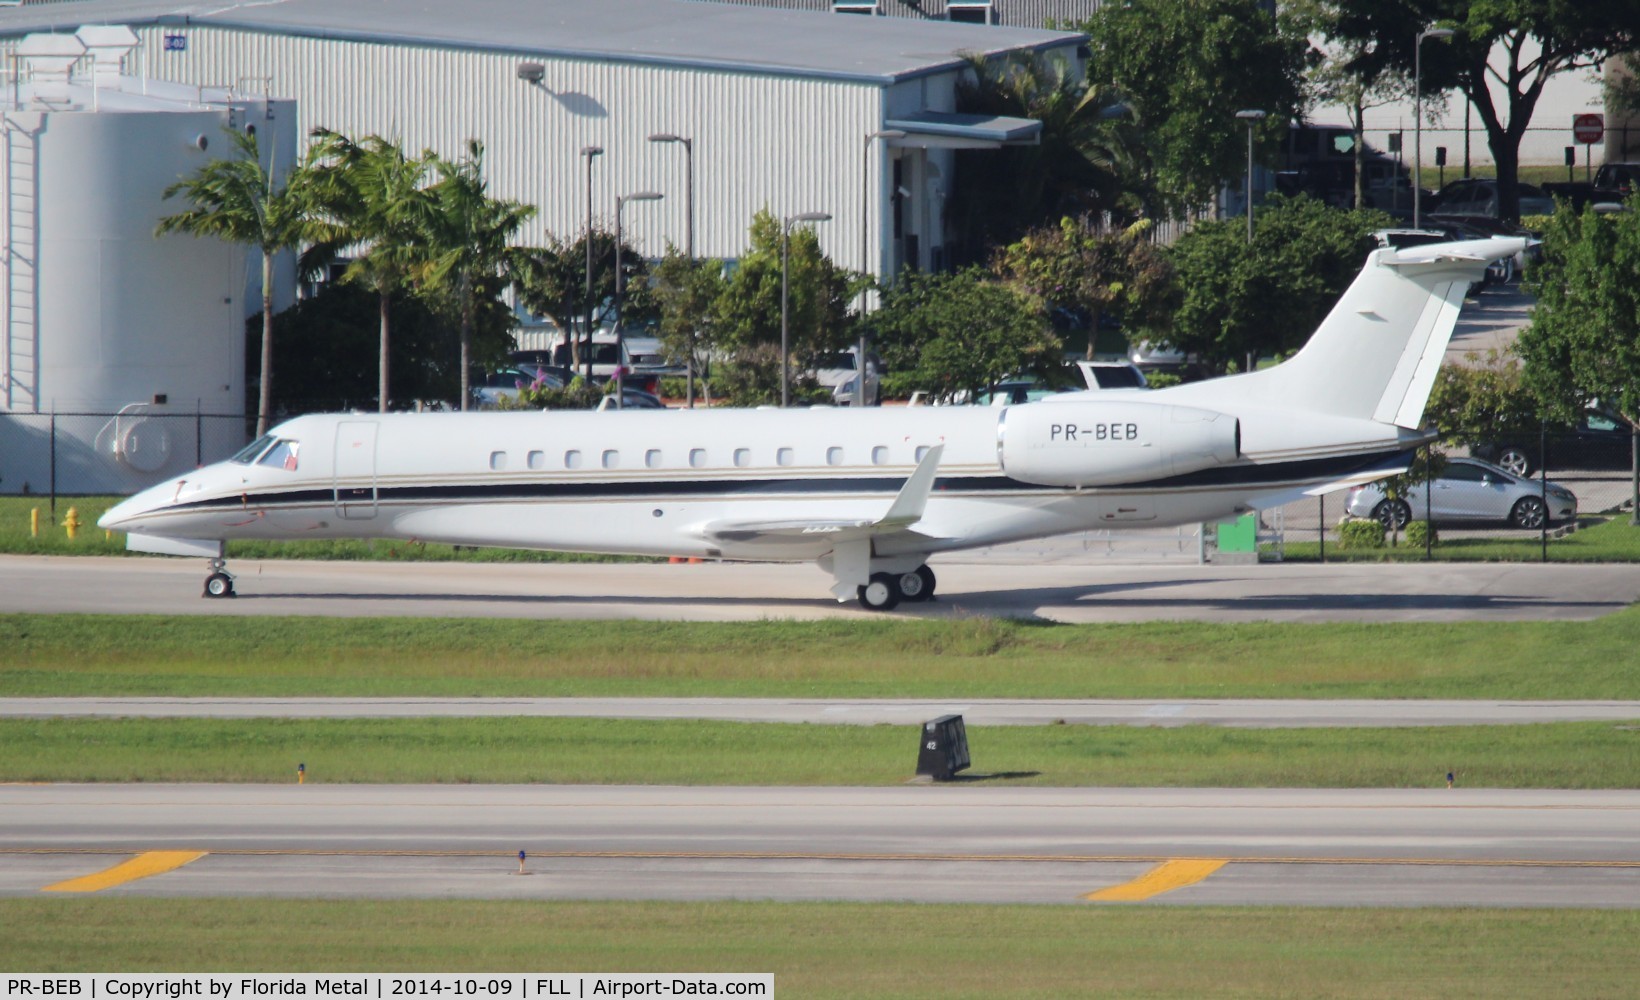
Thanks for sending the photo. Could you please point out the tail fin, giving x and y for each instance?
(1376, 354)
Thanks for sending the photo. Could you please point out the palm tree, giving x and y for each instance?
(239, 200)
(469, 245)
(376, 196)
(1084, 163)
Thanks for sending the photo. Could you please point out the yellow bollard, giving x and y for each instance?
(301, 774)
(34, 523)
(71, 523)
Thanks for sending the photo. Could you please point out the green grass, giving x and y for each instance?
(688, 752)
(17, 538)
(861, 950)
(1613, 540)
(958, 658)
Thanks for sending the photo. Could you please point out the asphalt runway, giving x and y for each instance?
(1249, 713)
(1288, 592)
(960, 842)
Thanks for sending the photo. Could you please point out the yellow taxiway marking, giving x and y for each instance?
(1164, 877)
(141, 866)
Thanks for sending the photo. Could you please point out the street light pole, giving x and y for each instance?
(589, 152)
(866, 190)
(689, 240)
(1418, 120)
(1252, 117)
(785, 307)
(620, 287)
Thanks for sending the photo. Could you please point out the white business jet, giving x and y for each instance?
(868, 494)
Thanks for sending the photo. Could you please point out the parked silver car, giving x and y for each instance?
(1468, 490)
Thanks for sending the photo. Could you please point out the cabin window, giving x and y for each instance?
(612, 459)
(922, 452)
(697, 458)
(247, 454)
(743, 457)
(498, 460)
(783, 456)
(834, 455)
(572, 459)
(652, 458)
(281, 456)
(879, 455)
(536, 460)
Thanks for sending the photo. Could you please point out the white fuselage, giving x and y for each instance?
(661, 482)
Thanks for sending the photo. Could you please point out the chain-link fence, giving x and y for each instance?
(1546, 495)
(51, 454)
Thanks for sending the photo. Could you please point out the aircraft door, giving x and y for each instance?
(355, 476)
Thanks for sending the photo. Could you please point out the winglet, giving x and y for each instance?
(913, 497)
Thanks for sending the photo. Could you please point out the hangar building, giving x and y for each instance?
(778, 105)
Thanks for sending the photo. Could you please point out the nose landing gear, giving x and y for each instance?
(219, 583)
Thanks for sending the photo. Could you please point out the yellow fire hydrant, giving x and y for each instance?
(71, 523)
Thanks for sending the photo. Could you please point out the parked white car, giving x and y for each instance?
(1468, 490)
(839, 372)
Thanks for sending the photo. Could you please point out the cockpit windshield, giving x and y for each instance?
(282, 455)
(248, 454)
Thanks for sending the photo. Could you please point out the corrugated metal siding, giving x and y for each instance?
(1011, 13)
(791, 145)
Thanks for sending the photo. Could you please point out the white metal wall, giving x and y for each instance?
(789, 144)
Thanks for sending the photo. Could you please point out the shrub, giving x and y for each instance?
(1360, 533)
(1417, 530)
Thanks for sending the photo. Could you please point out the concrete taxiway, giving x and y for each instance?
(747, 592)
(1238, 713)
(960, 842)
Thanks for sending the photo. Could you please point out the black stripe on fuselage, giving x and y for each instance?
(1319, 469)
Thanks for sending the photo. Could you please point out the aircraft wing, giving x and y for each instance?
(906, 510)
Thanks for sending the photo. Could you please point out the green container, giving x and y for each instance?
(1240, 535)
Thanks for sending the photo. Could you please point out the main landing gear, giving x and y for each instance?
(884, 591)
(219, 583)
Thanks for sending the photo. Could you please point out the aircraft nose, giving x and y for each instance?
(120, 516)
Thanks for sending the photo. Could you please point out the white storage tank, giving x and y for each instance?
(118, 344)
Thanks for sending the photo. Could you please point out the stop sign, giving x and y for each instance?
(1588, 128)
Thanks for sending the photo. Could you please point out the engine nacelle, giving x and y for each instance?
(1100, 443)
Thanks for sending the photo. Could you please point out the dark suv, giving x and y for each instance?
(1619, 177)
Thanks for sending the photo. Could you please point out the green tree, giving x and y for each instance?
(377, 197)
(1583, 344)
(240, 200)
(1362, 68)
(747, 313)
(320, 345)
(685, 293)
(1075, 266)
(1185, 67)
(1083, 163)
(555, 285)
(1242, 300)
(1484, 399)
(470, 257)
(1510, 48)
(961, 331)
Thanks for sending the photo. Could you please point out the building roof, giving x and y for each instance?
(720, 36)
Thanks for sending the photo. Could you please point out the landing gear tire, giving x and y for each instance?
(219, 583)
(917, 585)
(880, 593)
